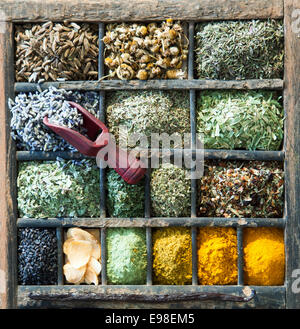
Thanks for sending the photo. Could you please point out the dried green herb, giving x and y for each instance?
(170, 192)
(241, 189)
(240, 49)
(124, 200)
(58, 189)
(148, 112)
(240, 120)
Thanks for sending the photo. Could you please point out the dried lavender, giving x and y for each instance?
(28, 111)
(37, 256)
(58, 189)
(240, 49)
(240, 120)
(241, 189)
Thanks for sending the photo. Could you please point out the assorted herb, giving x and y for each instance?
(124, 200)
(58, 189)
(241, 189)
(170, 192)
(148, 112)
(229, 50)
(240, 120)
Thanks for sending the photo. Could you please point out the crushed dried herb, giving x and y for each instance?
(264, 256)
(240, 120)
(148, 112)
(217, 255)
(58, 189)
(172, 256)
(124, 200)
(241, 189)
(240, 49)
(170, 192)
(126, 256)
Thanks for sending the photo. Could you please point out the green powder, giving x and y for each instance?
(126, 256)
(124, 200)
(58, 189)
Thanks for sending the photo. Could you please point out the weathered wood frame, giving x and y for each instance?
(11, 295)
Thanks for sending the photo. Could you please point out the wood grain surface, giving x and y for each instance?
(141, 10)
(8, 257)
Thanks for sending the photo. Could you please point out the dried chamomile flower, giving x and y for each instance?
(136, 51)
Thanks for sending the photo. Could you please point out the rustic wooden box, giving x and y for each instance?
(101, 12)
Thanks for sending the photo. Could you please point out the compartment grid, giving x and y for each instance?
(193, 222)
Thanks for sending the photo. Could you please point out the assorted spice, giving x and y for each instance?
(37, 256)
(241, 189)
(82, 256)
(147, 112)
(126, 256)
(240, 120)
(217, 256)
(170, 192)
(137, 51)
(56, 51)
(264, 256)
(172, 256)
(58, 189)
(228, 120)
(124, 200)
(241, 49)
(29, 110)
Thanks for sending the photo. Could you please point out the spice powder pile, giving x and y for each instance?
(172, 256)
(264, 257)
(146, 51)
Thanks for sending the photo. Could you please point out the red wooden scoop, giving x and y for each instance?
(128, 167)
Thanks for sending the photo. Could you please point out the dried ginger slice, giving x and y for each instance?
(72, 274)
(95, 265)
(91, 276)
(79, 253)
(79, 234)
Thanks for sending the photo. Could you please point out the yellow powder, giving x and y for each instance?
(172, 256)
(264, 258)
(217, 256)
